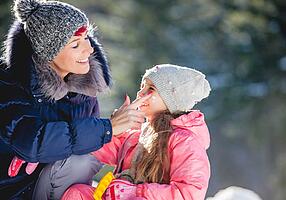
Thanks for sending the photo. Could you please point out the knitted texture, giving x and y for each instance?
(179, 87)
(48, 24)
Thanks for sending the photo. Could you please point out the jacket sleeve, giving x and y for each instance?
(108, 154)
(190, 173)
(35, 140)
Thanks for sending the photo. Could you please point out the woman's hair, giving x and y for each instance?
(154, 165)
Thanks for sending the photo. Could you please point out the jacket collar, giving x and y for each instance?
(41, 80)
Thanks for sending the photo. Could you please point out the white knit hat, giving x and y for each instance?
(235, 193)
(179, 87)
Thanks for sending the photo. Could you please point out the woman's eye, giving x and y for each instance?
(75, 46)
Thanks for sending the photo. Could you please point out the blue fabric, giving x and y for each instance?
(47, 131)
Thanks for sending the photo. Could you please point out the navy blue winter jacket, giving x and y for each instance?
(44, 118)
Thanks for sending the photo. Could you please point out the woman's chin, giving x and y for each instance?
(84, 69)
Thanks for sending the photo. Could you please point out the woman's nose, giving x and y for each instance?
(88, 48)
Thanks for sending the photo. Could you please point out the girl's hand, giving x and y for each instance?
(16, 165)
(120, 189)
(128, 116)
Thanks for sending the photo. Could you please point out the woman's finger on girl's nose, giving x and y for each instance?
(126, 102)
(137, 102)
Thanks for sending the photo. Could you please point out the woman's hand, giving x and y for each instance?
(128, 116)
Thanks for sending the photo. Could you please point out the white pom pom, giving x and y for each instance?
(24, 8)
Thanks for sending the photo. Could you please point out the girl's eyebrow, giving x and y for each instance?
(150, 84)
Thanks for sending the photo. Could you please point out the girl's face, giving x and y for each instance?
(154, 104)
(73, 58)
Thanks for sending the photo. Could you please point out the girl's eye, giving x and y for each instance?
(86, 38)
(151, 88)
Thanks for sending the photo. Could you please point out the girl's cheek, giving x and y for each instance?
(149, 92)
(153, 98)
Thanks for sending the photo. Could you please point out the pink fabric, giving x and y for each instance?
(190, 168)
(120, 189)
(16, 165)
(79, 192)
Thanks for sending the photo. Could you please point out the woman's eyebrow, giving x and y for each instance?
(76, 39)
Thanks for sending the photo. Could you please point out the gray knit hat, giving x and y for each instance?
(48, 24)
(179, 87)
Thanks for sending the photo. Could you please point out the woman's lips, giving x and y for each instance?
(83, 61)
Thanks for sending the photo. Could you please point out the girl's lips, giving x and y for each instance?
(143, 105)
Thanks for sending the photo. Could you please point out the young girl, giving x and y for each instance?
(167, 159)
(52, 71)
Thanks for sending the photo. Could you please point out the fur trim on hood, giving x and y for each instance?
(41, 79)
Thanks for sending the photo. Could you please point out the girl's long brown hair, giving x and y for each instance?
(154, 166)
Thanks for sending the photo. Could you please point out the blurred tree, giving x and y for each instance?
(4, 17)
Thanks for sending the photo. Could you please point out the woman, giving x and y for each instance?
(50, 75)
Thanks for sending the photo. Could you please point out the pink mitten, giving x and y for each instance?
(16, 165)
(120, 190)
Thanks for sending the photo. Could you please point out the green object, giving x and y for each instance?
(104, 170)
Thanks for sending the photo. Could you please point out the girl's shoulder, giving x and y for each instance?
(190, 128)
(180, 134)
(189, 137)
(186, 141)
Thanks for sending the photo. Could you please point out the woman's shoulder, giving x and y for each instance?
(10, 90)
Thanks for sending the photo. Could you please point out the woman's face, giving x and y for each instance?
(154, 104)
(73, 58)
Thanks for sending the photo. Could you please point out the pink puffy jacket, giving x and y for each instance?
(189, 170)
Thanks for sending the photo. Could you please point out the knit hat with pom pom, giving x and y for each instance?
(48, 24)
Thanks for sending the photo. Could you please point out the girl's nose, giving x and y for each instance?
(143, 93)
(140, 94)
